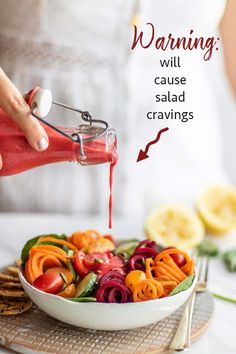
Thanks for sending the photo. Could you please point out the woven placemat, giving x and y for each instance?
(36, 332)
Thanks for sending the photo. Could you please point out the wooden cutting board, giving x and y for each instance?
(36, 332)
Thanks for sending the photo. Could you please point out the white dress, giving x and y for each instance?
(81, 51)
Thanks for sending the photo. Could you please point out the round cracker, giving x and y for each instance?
(10, 284)
(14, 306)
(8, 277)
(12, 270)
(12, 293)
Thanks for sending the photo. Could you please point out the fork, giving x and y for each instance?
(182, 337)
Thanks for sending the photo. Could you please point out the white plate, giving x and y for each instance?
(105, 316)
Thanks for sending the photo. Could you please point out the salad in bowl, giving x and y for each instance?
(90, 281)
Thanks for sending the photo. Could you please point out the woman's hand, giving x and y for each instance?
(13, 103)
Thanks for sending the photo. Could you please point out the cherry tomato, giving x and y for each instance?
(66, 272)
(109, 237)
(101, 245)
(115, 263)
(134, 278)
(78, 263)
(94, 260)
(69, 291)
(177, 258)
(50, 282)
(109, 254)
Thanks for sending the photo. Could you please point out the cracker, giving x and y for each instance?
(14, 306)
(8, 277)
(18, 262)
(12, 270)
(12, 293)
(10, 284)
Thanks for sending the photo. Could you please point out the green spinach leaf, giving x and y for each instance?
(208, 247)
(229, 258)
(184, 285)
(126, 248)
(25, 251)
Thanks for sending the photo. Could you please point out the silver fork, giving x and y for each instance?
(182, 337)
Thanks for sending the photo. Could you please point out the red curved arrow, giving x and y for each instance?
(143, 153)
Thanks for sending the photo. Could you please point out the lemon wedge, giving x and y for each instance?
(216, 206)
(174, 225)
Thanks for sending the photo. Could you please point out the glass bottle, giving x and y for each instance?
(19, 156)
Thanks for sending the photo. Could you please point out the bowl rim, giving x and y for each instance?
(140, 303)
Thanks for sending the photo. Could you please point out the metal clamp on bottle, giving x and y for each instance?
(40, 101)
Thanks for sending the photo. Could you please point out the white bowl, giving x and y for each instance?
(103, 316)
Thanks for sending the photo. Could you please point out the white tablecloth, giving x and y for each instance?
(219, 338)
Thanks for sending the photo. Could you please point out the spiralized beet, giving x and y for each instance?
(148, 244)
(147, 252)
(136, 262)
(129, 295)
(114, 275)
(145, 249)
(113, 292)
(114, 295)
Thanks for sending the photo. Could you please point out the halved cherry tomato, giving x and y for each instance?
(109, 254)
(94, 260)
(50, 282)
(66, 272)
(134, 278)
(101, 245)
(177, 258)
(78, 264)
(109, 237)
(69, 291)
(115, 263)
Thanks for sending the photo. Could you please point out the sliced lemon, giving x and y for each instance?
(216, 206)
(174, 225)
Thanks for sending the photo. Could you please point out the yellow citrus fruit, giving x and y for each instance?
(174, 225)
(216, 206)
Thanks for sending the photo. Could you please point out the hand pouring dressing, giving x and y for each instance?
(88, 144)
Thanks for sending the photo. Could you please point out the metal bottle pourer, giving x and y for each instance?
(40, 102)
